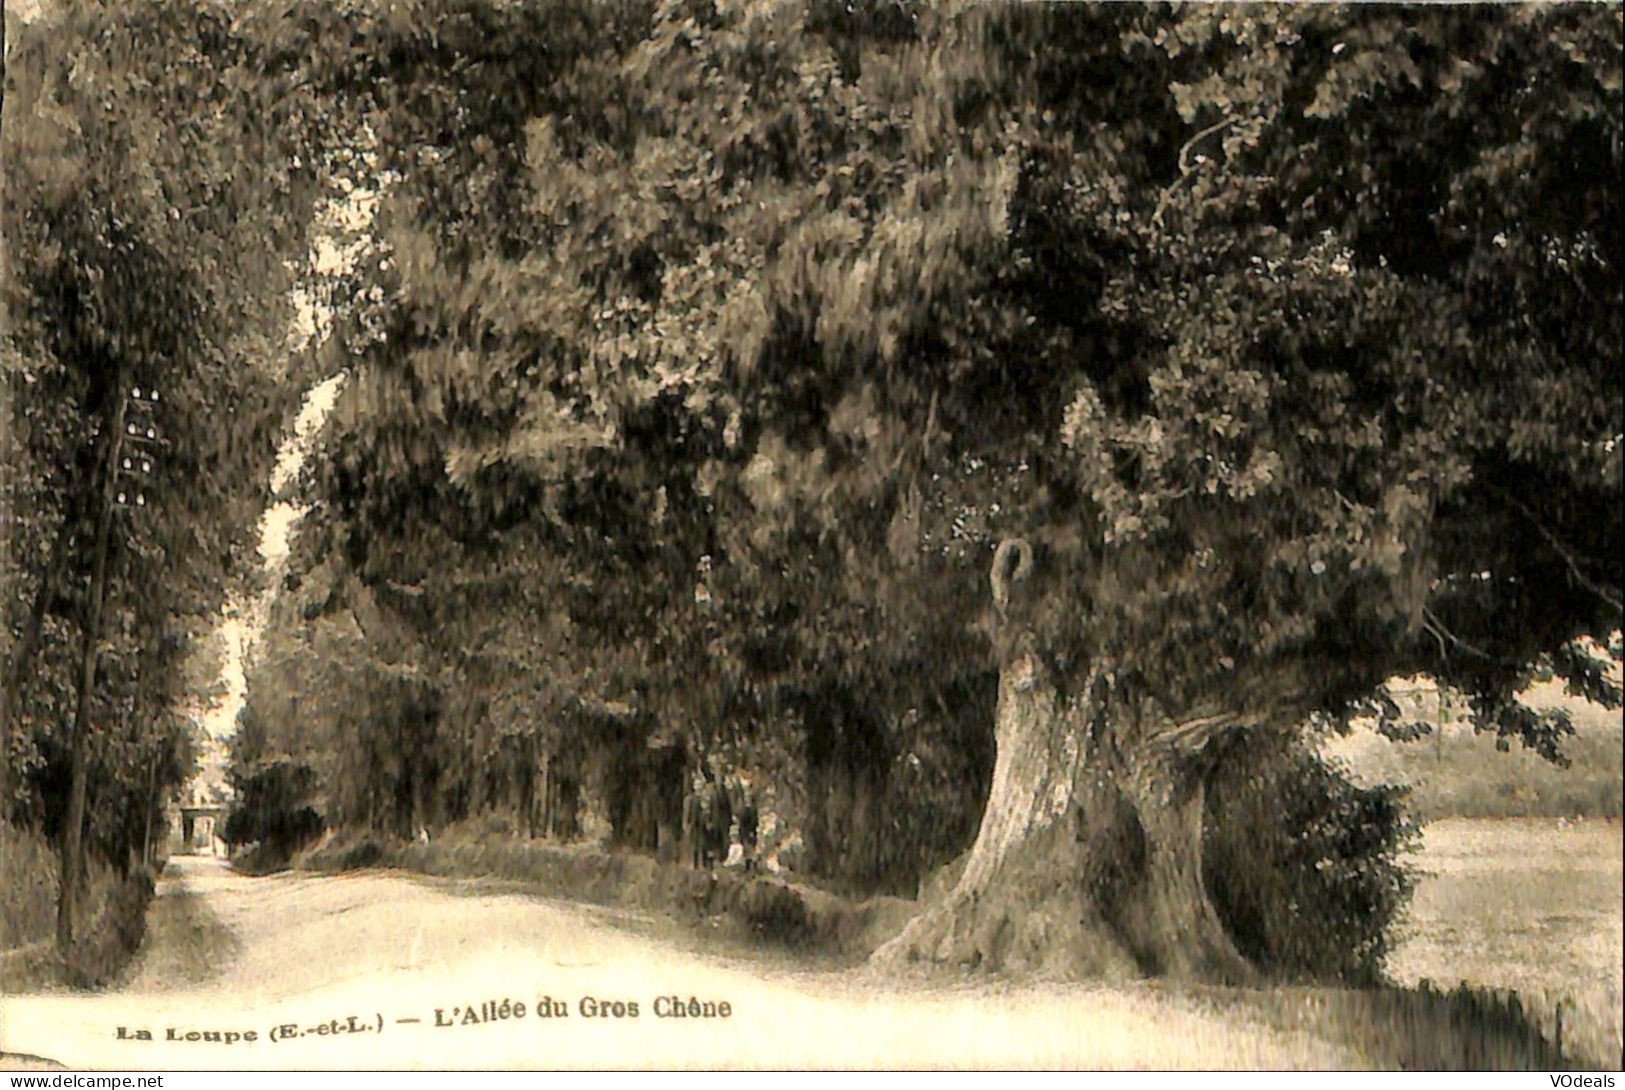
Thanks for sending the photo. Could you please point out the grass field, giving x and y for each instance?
(1525, 904)
(1458, 773)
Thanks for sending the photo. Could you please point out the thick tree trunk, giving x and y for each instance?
(1088, 862)
(1167, 915)
(1022, 901)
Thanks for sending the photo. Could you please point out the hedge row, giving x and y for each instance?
(761, 907)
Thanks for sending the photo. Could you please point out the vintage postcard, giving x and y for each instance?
(810, 534)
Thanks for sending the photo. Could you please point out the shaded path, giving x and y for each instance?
(350, 960)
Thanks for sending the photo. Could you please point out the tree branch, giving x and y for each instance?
(1185, 165)
(1432, 624)
(1606, 593)
(1185, 148)
(1012, 563)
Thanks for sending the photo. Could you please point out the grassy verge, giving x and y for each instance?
(110, 927)
(1420, 1028)
(1527, 906)
(28, 870)
(186, 944)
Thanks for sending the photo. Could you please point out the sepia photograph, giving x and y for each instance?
(811, 535)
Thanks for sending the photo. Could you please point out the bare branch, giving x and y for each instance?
(1606, 593)
(1186, 166)
(1441, 633)
(1185, 149)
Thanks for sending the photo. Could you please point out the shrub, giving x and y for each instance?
(1305, 866)
(774, 912)
(1426, 1029)
(115, 934)
(273, 810)
(368, 853)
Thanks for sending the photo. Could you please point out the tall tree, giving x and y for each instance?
(154, 190)
(1193, 353)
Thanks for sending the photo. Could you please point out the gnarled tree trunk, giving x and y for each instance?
(1166, 914)
(1088, 861)
(1023, 900)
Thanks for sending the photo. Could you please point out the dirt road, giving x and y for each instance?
(385, 970)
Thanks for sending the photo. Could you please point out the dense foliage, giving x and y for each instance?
(158, 178)
(702, 352)
(1285, 336)
(1306, 867)
(272, 808)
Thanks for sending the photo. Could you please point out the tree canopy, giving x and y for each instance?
(159, 176)
(714, 356)
(1254, 322)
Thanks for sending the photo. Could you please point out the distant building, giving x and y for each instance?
(197, 817)
(195, 822)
